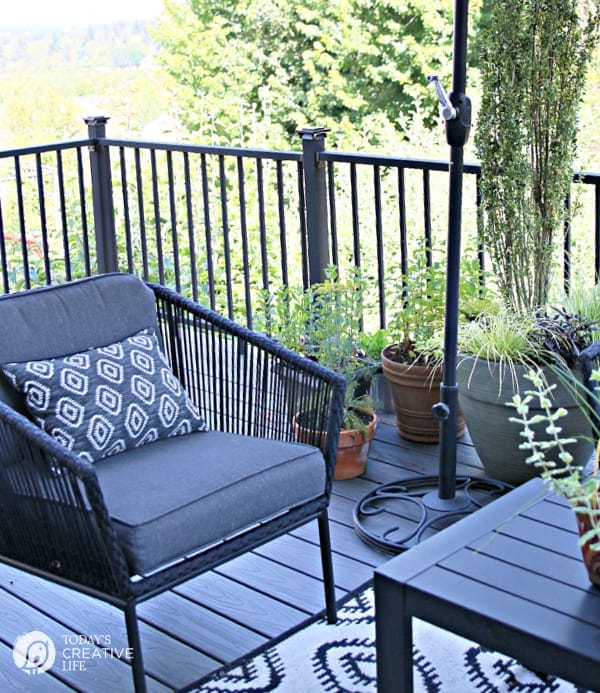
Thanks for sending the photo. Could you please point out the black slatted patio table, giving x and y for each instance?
(509, 577)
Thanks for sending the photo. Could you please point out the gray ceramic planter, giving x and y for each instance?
(483, 391)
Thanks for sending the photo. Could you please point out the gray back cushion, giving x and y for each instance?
(68, 318)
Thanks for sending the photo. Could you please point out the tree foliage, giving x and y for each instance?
(241, 65)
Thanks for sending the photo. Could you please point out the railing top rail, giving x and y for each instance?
(587, 177)
(393, 161)
(207, 149)
(43, 148)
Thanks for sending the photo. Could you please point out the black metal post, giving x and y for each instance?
(315, 187)
(104, 212)
(457, 133)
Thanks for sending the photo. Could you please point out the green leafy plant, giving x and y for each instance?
(372, 344)
(323, 322)
(416, 328)
(566, 479)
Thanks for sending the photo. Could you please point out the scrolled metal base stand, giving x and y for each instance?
(376, 515)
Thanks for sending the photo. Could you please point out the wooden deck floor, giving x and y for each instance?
(218, 617)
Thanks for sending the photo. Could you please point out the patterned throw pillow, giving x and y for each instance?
(103, 401)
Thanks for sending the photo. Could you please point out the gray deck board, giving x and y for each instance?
(222, 615)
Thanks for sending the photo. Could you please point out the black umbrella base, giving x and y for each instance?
(395, 516)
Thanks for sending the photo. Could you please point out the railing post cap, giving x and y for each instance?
(96, 120)
(312, 133)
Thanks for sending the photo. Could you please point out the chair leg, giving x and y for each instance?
(135, 645)
(327, 563)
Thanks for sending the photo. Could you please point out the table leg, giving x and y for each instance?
(393, 633)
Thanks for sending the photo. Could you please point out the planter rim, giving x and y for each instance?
(419, 367)
(373, 421)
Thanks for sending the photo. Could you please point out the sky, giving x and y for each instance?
(20, 13)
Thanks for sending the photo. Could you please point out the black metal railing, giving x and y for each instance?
(221, 224)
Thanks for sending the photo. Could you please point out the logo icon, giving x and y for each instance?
(34, 652)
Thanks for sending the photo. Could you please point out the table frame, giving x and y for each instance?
(510, 577)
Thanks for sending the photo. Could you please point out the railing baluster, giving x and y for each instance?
(43, 220)
(173, 215)
(157, 217)
(282, 225)
(126, 214)
(567, 245)
(63, 216)
(332, 213)
(3, 254)
(141, 213)
(22, 227)
(427, 217)
(303, 224)
(379, 244)
(597, 232)
(479, 222)
(225, 229)
(355, 221)
(403, 230)
(83, 213)
(244, 239)
(262, 226)
(190, 225)
(208, 234)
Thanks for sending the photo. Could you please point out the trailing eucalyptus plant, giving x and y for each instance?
(581, 490)
(533, 66)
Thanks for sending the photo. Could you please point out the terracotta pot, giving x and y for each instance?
(591, 557)
(353, 447)
(415, 389)
(353, 452)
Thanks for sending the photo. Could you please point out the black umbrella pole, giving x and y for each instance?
(457, 134)
(436, 497)
(449, 388)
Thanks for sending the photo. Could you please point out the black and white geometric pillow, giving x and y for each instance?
(102, 401)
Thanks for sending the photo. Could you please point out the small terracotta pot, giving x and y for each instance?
(353, 452)
(353, 448)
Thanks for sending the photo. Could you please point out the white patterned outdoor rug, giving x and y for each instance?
(341, 658)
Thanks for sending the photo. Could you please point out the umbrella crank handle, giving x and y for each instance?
(447, 110)
(456, 111)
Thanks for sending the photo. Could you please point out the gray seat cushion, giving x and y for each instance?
(174, 496)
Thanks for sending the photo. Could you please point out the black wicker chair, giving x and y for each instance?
(128, 526)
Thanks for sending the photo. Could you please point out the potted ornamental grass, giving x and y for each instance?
(497, 351)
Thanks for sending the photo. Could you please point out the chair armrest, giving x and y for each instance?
(53, 519)
(244, 382)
